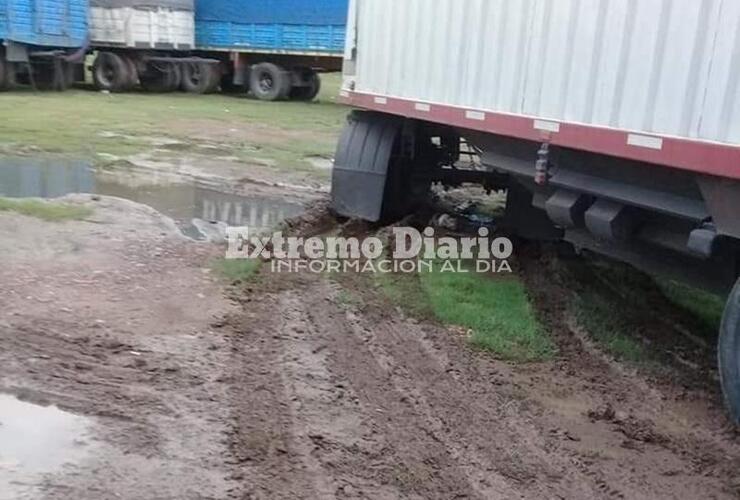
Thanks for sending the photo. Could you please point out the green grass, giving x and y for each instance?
(237, 270)
(607, 325)
(71, 122)
(497, 310)
(405, 290)
(45, 210)
(706, 307)
(608, 301)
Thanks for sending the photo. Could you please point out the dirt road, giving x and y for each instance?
(283, 388)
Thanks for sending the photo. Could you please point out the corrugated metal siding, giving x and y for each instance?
(270, 36)
(135, 27)
(54, 23)
(662, 66)
(299, 12)
(280, 25)
(3, 19)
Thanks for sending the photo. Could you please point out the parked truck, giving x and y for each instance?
(41, 41)
(273, 48)
(611, 124)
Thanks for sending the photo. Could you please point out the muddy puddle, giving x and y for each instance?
(37, 441)
(194, 207)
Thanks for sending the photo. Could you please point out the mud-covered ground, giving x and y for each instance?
(283, 388)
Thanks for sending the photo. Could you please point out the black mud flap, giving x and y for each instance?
(361, 165)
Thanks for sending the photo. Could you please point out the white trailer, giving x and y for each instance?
(135, 25)
(612, 124)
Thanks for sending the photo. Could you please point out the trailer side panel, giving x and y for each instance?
(293, 26)
(44, 23)
(651, 81)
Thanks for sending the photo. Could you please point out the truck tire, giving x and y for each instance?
(174, 77)
(111, 72)
(215, 82)
(161, 77)
(7, 74)
(197, 78)
(309, 92)
(133, 73)
(728, 354)
(269, 82)
(52, 75)
(371, 180)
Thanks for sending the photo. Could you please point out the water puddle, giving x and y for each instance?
(192, 206)
(35, 441)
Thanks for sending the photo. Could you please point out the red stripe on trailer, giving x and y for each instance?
(704, 157)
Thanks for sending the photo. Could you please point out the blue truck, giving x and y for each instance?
(41, 40)
(273, 48)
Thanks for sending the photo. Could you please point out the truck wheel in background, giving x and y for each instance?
(215, 83)
(133, 73)
(228, 86)
(728, 353)
(198, 77)
(372, 179)
(161, 77)
(52, 74)
(309, 91)
(111, 72)
(269, 82)
(7, 73)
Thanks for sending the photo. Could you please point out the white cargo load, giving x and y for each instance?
(656, 69)
(164, 24)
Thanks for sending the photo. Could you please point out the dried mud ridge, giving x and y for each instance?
(289, 392)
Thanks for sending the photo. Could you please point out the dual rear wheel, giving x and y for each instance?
(113, 72)
(200, 77)
(116, 72)
(271, 82)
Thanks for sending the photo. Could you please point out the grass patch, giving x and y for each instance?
(40, 121)
(405, 290)
(706, 307)
(607, 325)
(45, 210)
(237, 270)
(497, 311)
(608, 301)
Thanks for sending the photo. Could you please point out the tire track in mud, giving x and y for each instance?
(334, 436)
(427, 463)
(372, 409)
(299, 432)
(479, 472)
(485, 432)
(262, 456)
